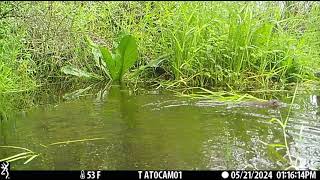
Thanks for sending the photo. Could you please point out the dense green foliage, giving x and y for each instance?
(118, 62)
(232, 45)
(15, 60)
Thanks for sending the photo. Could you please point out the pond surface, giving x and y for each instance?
(160, 131)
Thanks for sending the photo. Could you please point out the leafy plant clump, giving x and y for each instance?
(123, 59)
(115, 63)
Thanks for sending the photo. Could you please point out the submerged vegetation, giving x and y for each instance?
(225, 45)
(30, 155)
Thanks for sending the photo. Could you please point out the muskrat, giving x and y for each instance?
(273, 103)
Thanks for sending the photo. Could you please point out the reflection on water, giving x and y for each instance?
(159, 131)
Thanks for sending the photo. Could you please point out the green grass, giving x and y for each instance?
(15, 62)
(235, 46)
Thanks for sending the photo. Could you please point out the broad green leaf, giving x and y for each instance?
(117, 57)
(123, 59)
(70, 70)
(129, 53)
(111, 63)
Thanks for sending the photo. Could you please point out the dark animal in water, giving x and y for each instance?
(273, 103)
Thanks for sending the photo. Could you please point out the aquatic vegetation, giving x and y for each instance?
(72, 141)
(284, 123)
(24, 155)
(30, 155)
(202, 93)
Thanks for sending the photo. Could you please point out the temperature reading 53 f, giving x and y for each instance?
(90, 174)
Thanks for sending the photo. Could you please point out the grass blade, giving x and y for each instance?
(30, 159)
(73, 141)
(22, 157)
(15, 147)
(14, 156)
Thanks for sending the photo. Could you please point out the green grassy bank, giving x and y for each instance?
(228, 45)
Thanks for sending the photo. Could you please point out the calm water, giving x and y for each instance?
(159, 131)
